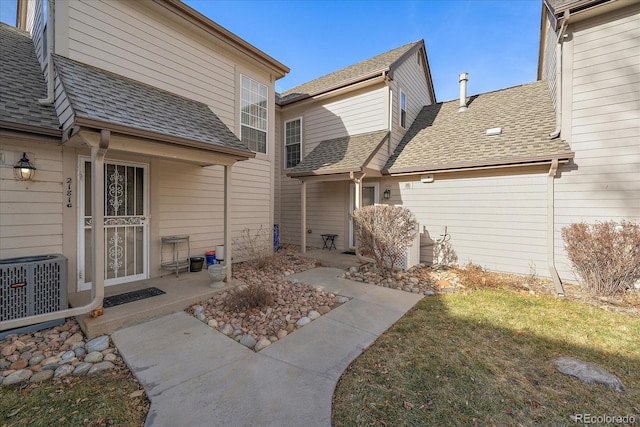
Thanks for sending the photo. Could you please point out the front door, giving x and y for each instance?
(369, 197)
(125, 223)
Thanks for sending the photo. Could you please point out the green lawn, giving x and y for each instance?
(486, 358)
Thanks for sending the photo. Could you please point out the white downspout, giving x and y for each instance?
(51, 77)
(97, 253)
(559, 55)
(303, 217)
(553, 170)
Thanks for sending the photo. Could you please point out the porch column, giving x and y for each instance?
(303, 219)
(227, 221)
(98, 153)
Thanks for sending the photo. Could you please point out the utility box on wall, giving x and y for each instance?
(32, 285)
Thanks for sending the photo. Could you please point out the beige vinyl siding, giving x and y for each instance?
(410, 78)
(327, 208)
(380, 158)
(64, 111)
(31, 212)
(496, 220)
(549, 58)
(290, 211)
(360, 112)
(189, 200)
(137, 42)
(604, 183)
(278, 152)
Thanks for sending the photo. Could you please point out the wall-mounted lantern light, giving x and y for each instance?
(386, 194)
(24, 170)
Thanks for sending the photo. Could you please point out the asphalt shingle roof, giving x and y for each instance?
(101, 95)
(319, 85)
(442, 138)
(339, 155)
(22, 83)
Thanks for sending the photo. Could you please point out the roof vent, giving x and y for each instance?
(494, 131)
(463, 79)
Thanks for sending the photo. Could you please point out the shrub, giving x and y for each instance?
(248, 297)
(604, 255)
(256, 247)
(384, 232)
(474, 276)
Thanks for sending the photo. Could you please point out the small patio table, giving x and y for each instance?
(329, 241)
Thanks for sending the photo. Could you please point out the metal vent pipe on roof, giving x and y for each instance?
(464, 78)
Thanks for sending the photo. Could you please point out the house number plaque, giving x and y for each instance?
(69, 193)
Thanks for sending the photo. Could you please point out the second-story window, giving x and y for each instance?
(292, 142)
(253, 114)
(403, 110)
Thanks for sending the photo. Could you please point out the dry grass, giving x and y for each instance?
(486, 358)
(111, 399)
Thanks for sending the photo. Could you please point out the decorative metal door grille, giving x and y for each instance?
(124, 223)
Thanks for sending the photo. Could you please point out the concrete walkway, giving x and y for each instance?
(197, 376)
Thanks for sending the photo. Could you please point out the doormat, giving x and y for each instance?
(349, 252)
(132, 296)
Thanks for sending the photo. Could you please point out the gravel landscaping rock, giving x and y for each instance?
(53, 353)
(294, 305)
(97, 344)
(94, 357)
(588, 372)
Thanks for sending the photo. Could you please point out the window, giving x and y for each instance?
(292, 142)
(403, 110)
(253, 114)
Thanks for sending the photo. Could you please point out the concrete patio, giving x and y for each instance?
(195, 375)
(180, 293)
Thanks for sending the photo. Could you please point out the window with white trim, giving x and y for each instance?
(253, 114)
(403, 110)
(292, 142)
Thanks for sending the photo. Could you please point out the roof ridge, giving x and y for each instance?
(15, 30)
(404, 47)
(492, 91)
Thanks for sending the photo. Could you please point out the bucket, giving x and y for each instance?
(195, 263)
(211, 257)
(220, 253)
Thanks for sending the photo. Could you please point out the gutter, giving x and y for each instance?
(161, 137)
(559, 51)
(378, 74)
(51, 77)
(553, 170)
(471, 166)
(98, 153)
(20, 127)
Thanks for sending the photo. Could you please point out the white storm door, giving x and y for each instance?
(126, 232)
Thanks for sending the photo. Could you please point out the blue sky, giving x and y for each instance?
(495, 41)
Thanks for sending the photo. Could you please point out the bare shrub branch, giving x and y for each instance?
(384, 233)
(256, 248)
(604, 255)
(249, 296)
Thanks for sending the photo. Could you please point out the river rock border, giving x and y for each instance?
(295, 305)
(54, 353)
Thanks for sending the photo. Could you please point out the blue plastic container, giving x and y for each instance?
(211, 258)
